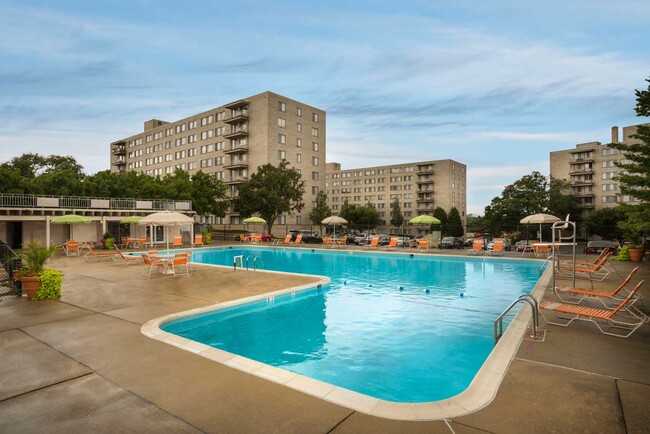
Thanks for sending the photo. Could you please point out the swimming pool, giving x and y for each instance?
(399, 328)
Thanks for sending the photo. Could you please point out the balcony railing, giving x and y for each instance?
(80, 202)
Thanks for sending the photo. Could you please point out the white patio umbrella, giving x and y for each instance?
(539, 219)
(334, 220)
(166, 218)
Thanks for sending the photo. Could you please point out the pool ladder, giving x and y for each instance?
(498, 323)
(238, 261)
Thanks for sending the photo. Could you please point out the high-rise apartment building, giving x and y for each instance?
(231, 142)
(591, 170)
(419, 187)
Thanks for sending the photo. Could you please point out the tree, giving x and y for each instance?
(271, 192)
(396, 217)
(635, 181)
(321, 211)
(441, 215)
(560, 200)
(365, 217)
(454, 224)
(209, 195)
(603, 222)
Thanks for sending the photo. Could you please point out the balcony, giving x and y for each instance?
(582, 161)
(425, 181)
(238, 117)
(424, 198)
(425, 169)
(119, 162)
(237, 180)
(118, 150)
(581, 183)
(236, 165)
(241, 103)
(239, 132)
(239, 149)
(581, 171)
(583, 194)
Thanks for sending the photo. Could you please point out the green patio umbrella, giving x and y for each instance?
(254, 220)
(424, 220)
(132, 219)
(70, 219)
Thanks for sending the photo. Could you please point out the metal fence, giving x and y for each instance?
(80, 202)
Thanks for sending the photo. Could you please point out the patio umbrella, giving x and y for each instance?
(424, 220)
(334, 220)
(254, 220)
(539, 219)
(166, 219)
(70, 219)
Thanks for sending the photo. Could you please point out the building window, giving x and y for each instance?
(314, 132)
(282, 139)
(608, 163)
(282, 155)
(282, 220)
(314, 176)
(298, 143)
(191, 124)
(314, 117)
(314, 161)
(282, 106)
(314, 146)
(609, 199)
(299, 111)
(314, 190)
(298, 158)
(299, 127)
(609, 151)
(609, 187)
(282, 123)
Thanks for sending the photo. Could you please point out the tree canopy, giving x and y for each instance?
(360, 217)
(321, 210)
(441, 215)
(396, 216)
(604, 221)
(454, 227)
(271, 192)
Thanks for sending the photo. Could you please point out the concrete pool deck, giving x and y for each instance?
(81, 364)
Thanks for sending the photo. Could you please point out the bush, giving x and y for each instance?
(110, 245)
(623, 254)
(51, 281)
(34, 259)
(207, 236)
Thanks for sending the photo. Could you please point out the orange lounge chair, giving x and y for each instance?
(327, 241)
(423, 243)
(71, 248)
(599, 272)
(596, 316)
(123, 259)
(477, 247)
(593, 263)
(542, 250)
(342, 241)
(181, 260)
(374, 241)
(151, 262)
(580, 294)
(98, 256)
(198, 240)
(178, 241)
(392, 244)
(298, 239)
(498, 247)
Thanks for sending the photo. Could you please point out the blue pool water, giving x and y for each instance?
(396, 327)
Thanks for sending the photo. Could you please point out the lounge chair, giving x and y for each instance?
(342, 241)
(477, 247)
(180, 261)
(198, 240)
(599, 272)
(327, 241)
(542, 250)
(587, 263)
(144, 242)
(572, 312)
(374, 241)
(423, 243)
(151, 262)
(579, 294)
(98, 256)
(71, 248)
(287, 240)
(392, 244)
(178, 241)
(498, 246)
(298, 239)
(123, 259)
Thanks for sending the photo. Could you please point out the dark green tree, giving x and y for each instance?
(561, 202)
(271, 192)
(321, 211)
(209, 195)
(348, 212)
(454, 224)
(367, 216)
(441, 215)
(604, 221)
(635, 181)
(396, 216)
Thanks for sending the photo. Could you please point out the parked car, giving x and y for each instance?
(598, 246)
(384, 239)
(403, 241)
(309, 237)
(413, 242)
(522, 244)
(359, 238)
(450, 243)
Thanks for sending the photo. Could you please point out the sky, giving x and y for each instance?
(494, 85)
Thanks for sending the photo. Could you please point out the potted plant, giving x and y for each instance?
(636, 252)
(107, 241)
(33, 260)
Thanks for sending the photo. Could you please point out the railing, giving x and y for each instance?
(11, 262)
(79, 202)
(498, 323)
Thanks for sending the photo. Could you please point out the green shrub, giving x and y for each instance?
(623, 254)
(50, 289)
(110, 245)
(207, 236)
(34, 258)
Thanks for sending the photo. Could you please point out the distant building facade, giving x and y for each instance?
(231, 142)
(420, 188)
(591, 171)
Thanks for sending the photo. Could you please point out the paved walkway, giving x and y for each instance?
(81, 365)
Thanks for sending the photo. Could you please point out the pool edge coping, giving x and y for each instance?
(480, 392)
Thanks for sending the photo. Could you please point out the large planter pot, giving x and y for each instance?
(636, 255)
(30, 286)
